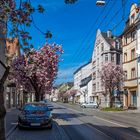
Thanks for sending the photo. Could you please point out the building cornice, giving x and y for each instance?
(130, 61)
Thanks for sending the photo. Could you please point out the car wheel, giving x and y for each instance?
(20, 127)
(50, 127)
(84, 106)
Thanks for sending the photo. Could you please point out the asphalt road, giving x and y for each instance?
(74, 123)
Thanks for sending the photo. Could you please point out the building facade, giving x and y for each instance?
(80, 75)
(107, 48)
(13, 95)
(130, 44)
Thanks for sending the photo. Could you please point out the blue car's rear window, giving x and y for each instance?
(35, 107)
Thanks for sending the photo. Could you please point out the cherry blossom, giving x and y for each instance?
(37, 69)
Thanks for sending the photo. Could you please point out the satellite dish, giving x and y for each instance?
(100, 2)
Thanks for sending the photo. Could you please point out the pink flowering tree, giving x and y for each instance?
(37, 69)
(111, 77)
(70, 93)
(16, 16)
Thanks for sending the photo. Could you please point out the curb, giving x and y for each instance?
(11, 131)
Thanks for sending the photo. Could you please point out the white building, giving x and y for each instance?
(106, 49)
(80, 74)
(86, 90)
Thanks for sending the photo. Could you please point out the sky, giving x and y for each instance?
(74, 27)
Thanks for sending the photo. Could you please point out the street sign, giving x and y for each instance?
(115, 92)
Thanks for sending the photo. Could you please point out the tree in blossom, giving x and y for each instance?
(70, 93)
(15, 19)
(38, 69)
(111, 77)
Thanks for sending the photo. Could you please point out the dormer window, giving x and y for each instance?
(132, 18)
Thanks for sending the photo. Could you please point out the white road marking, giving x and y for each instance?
(14, 123)
(110, 121)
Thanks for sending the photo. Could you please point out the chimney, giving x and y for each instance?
(109, 33)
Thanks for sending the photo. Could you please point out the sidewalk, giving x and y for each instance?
(10, 120)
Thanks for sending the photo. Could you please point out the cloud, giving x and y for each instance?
(66, 74)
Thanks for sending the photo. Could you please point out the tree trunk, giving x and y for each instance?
(37, 96)
(110, 98)
(2, 113)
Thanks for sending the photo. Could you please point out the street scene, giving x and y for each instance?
(70, 69)
(72, 122)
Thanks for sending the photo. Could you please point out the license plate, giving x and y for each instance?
(35, 124)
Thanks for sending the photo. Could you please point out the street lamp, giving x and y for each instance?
(100, 2)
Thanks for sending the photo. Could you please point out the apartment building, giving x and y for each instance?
(130, 44)
(80, 77)
(107, 48)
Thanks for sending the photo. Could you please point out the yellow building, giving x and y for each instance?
(130, 59)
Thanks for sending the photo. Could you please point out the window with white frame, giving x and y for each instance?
(106, 57)
(112, 57)
(125, 75)
(133, 73)
(133, 36)
(102, 46)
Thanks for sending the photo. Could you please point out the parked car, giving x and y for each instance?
(35, 115)
(118, 104)
(89, 105)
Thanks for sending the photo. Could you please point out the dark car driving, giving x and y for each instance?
(35, 115)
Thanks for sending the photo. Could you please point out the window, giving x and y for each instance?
(118, 59)
(97, 85)
(94, 87)
(125, 75)
(132, 18)
(112, 57)
(97, 61)
(102, 46)
(98, 50)
(106, 57)
(133, 36)
(98, 72)
(117, 44)
(125, 57)
(133, 73)
(133, 54)
(126, 40)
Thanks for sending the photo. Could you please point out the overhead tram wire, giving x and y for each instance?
(113, 17)
(74, 55)
(110, 20)
(92, 31)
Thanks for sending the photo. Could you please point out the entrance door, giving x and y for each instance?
(133, 99)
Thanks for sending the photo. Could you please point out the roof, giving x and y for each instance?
(111, 39)
(82, 67)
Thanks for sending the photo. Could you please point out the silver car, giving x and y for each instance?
(89, 105)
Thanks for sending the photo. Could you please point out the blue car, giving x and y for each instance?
(35, 115)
